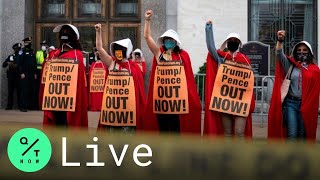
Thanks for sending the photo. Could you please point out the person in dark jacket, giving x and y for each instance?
(27, 66)
(12, 74)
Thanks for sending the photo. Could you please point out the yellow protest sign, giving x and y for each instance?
(119, 100)
(60, 88)
(170, 92)
(97, 80)
(45, 71)
(233, 89)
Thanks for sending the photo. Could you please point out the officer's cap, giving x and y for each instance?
(27, 39)
(17, 45)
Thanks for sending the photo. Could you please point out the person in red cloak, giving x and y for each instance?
(297, 117)
(95, 98)
(137, 57)
(116, 63)
(70, 48)
(217, 123)
(170, 50)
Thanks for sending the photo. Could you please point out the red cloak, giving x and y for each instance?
(189, 123)
(79, 118)
(51, 54)
(309, 105)
(212, 121)
(143, 65)
(139, 90)
(95, 98)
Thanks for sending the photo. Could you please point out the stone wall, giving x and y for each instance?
(158, 27)
(12, 25)
(227, 17)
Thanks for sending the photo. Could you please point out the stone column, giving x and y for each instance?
(172, 14)
(12, 25)
(158, 27)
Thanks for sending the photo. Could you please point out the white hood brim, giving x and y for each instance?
(75, 29)
(170, 33)
(138, 51)
(231, 35)
(302, 42)
(125, 43)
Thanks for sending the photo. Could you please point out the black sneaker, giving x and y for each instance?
(8, 108)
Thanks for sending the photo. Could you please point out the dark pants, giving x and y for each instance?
(27, 93)
(12, 87)
(168, 123)
(24, 93)
(61, 118)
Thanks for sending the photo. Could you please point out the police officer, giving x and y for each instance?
(12, 74)
(27, 69)
(41, 55)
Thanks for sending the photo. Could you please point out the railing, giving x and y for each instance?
(200, 80)
(263, 92)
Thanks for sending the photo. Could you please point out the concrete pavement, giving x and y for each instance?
(34, 119)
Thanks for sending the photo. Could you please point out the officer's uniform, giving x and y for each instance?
(28, 66)
(12, 74)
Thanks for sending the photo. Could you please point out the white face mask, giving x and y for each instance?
(43, 48)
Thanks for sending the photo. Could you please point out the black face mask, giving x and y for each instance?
(16, 50)
(28, 46)
(65, 37)
(302, 57)
(233, 46)
(137, 54)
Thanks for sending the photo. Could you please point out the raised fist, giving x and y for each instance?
(97, 27)
(148, 14)
(281, 34)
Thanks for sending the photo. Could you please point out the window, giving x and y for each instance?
(124, 32)
(87, 8)
(49, 36)
(53, 8)
(126, 8)
(119, 18)
(88, 37)
(295, 16)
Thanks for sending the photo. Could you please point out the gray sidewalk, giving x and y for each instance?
(34, 119)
